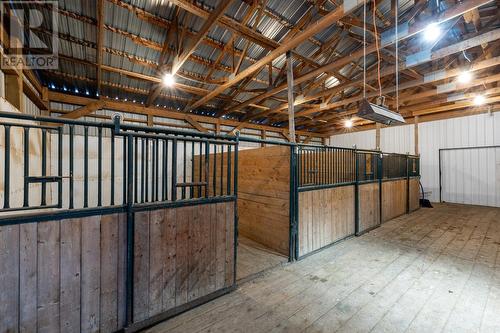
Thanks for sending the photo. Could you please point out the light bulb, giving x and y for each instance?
(432, 32)
(479, 100)
(464, 77)
(168, 80)
(348, 123)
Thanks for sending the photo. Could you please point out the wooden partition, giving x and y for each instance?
(181, 255)
(70, 275)
(264, 196)
(325, 216)
(414, 192)
(63, 275)
(369, 206)
(394, 198)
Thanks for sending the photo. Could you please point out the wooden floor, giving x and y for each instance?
(436, 270)
(254, 258)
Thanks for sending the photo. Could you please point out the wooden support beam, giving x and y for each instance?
(14, 90)
(84, 110)
(100, 40)
(415, 122)
(195, 124)
(438, 54)
(318, 26)
(209, 23)
(291, 97)
(414, 29)
(377, 136)
(135, 108)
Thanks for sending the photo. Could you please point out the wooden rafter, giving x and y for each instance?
(320, 25)
(100, 40)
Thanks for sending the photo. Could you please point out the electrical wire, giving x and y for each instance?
(396, 14)
(378, 48)
(364, 49)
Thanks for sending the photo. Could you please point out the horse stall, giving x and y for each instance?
(263, 205)
(369, 182)
(103, 228)
(326, 197)
(345, 192)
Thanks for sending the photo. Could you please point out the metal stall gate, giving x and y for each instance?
(326, 196)
(103, 226)
(470, 175)
(341, 192)
(369, 190)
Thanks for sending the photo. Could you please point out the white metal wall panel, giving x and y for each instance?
(362, 140)
(477, 130)
(472, 131)
(398, 139)
(471, 176)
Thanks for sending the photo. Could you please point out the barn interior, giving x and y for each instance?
(250, 165)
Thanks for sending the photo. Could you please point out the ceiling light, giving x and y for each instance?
(465, 77)
(432, 32)
(479, 100)
(348, 123)
(168, 80)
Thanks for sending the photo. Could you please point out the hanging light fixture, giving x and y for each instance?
(479, 100)
(379, 113)
(168, 80)
(348, 123)
(432, 32)
(464, 77)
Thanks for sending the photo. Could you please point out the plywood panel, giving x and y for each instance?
(369, 206)
(394, 199)
(414, 194)
(183, 254)
(325, 216)
(63, 275)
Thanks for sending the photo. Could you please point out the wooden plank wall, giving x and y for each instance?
(369, 206)
(63, 276)
(264, 196)
(181, 254)
(414, 194)
(394, 199)
(325, 216)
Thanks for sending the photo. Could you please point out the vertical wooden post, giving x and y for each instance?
(263, 136)
(291, 98)
(217, 128)
(14, 90)
(377, 136)
(417, 152)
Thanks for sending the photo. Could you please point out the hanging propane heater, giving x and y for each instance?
(379, 113)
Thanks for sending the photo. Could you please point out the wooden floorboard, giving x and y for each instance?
(254, 258)
(435, 270)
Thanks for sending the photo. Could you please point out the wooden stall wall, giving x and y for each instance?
(180, 255)
(394, 198)
(325, 216)
(369, 206)
(263, 192)
(414, 201)
(264, 196)
(63, 276)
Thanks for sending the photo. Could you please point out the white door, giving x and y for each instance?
(471, 176)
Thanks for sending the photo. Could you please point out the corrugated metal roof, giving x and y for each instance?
(127, 33)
